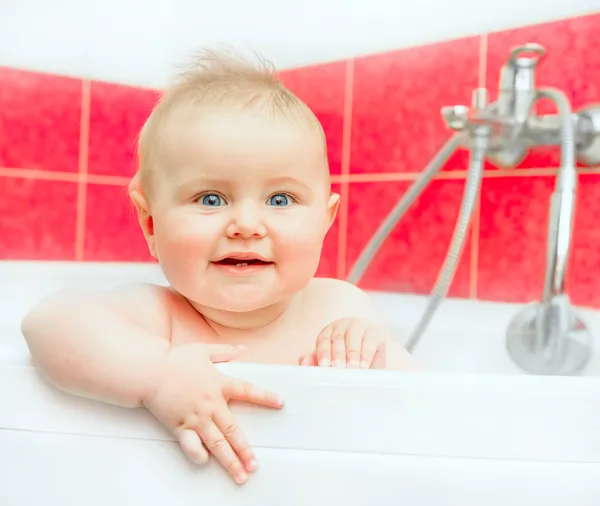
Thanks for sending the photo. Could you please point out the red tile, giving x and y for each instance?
(117, 114)
(571, 64)
(40, 116)
(329, 254)
(112, 232)
(512, 241)
(583, 279)
(37, 219)
(411, 257)
(322, 88)
(397, 125)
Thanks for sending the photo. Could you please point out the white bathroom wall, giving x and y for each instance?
(138, 41)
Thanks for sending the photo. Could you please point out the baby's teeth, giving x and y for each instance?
(243, 264)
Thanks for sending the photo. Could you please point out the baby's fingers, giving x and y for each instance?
(227, 424)
(323, 347)
(224, 352)
(192, 446)
(356, 334)
(309, 359)
(219, 447)
(370, 347)
(245, 391)
(338, 347)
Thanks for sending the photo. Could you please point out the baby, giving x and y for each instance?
(233, 196)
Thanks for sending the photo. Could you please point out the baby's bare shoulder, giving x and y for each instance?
(338, 288)
(335, 299)
(145, 305)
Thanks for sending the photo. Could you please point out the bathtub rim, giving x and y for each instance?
(385, 412)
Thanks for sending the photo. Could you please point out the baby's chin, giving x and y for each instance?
(237, 302)
(241, 315)
(245, 305)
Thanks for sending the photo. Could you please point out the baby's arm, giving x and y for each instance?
(92, 344)
(115, 347)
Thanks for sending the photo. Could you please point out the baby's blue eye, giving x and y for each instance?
(279, 200)
(212, 200)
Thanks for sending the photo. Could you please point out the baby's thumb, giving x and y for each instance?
(224, 352)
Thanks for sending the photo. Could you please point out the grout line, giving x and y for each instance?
(483, 50)
(452, 174)
(84, 137)
(68, 177)
(345, 171)
(492, 174)
(46, 175)
(342, 231)
(588, 170)
(74, 177)
(474, 259)
(108, 180)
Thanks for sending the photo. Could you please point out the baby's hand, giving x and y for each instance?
(349, 342)
(191, 400)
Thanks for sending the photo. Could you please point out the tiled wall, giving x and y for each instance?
(66, 156)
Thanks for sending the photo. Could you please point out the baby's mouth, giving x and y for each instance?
(238, 262)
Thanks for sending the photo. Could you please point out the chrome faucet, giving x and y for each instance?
(546, 337)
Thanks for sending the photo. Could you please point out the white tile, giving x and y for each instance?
(137, 42)
(293, 34)
(127, 41)
(44, 36)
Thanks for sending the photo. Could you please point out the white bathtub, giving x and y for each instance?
(449, 436)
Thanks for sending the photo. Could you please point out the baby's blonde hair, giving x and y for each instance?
(218, 78)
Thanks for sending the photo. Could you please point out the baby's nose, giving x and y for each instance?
(247, 222)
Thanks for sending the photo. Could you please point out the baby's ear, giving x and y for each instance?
(333, 205)
(144, 217)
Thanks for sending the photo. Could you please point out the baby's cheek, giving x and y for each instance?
(186, 238)
(303, 249)
(182, 251)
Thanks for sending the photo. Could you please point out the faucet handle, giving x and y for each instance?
(456, 116)
(517, 89)
(527, 56)
(460, 117)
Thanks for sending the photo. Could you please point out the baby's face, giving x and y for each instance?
(240, 210)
